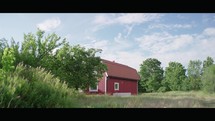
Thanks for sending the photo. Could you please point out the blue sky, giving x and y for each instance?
(127, 38)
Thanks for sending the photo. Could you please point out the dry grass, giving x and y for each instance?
(150, 100)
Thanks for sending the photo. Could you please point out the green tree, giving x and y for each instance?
(194, 72)
(8, 60)
(79, 66)
(74, 64)
(209, 61)
(16, 50)
(151, 75)
(208, 79)
(3, 45)
(174, 76)
(37, 49)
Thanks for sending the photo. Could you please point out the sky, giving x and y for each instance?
(126, 38)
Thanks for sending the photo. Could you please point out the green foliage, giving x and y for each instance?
(194, 71)
(208, 62)
(17, 55)
(8, 59)
(37, 50)
(151, 75)
(31, 87)
(208, 79)
(174, 75)
(74, 64)
(162, 89)
(9, 88)
(78, 66)
(186, 84)
(3, 45)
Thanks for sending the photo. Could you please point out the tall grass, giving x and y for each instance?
(29, 87)
(174, 99)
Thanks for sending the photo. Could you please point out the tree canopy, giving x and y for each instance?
(174, 75)
(78, 66)
(151, 75)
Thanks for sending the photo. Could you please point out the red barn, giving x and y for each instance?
(118, 80)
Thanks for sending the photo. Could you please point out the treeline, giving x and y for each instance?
(45, 71)
(198, 76)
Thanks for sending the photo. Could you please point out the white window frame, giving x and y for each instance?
(93, 90)
(116, 83)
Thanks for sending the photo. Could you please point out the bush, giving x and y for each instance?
(8, 91)
(29, 87)
(162, 89)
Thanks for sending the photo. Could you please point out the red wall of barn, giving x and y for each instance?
(124, 85)
(101, 86)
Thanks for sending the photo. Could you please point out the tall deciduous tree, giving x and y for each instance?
(74, 64)
(194, 72)
(209, 61)
(174, 76)
(79, 66)
(36, 49)
(208, 79)
(151, 75)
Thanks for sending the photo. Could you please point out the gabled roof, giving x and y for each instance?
(120, 70)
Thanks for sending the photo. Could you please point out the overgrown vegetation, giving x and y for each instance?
(46, 72)
(29, 87)
(78, 66)
(172, 99)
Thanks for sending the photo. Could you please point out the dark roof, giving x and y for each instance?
(120, 70)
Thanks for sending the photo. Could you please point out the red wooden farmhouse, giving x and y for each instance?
(118, 80)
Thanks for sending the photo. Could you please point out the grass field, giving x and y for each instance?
(149, 100)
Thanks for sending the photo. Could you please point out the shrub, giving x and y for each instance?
(29, 87)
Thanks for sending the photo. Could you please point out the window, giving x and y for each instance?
(116, 86)
(93, 88)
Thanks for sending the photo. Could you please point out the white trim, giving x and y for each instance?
(122, 94)
(106, 75)
(116, 83)
(94, 90)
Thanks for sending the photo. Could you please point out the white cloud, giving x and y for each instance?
(162, 46)
(170, 26)
(97, 44)
(132, 59)
(209, 31)
(69, 37)
(130, 18)
(49, 24)
(180, 16)
(116, 50)
(163, 42)
(103, 19)
(128, 30)
(136, 18)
